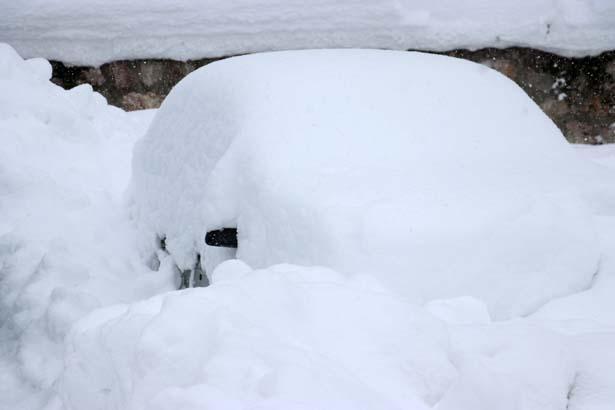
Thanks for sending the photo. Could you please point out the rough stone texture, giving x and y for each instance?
(141, 101)
(132, 85)
(577, 93)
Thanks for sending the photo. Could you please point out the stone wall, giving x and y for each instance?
(577, 93)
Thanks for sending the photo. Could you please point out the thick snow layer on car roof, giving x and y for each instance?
(98, 31)
(439, 176)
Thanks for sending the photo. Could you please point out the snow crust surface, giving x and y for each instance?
(341, 158)
(92, 32)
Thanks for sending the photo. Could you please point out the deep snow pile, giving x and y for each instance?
(93, 32)
(292, 337)
(66, 244)
(340, 158)
(289, 337)
(309, 338)
(286, 337)
(593, 310)
(276, 338)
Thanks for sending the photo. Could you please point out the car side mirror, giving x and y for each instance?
(225, 237)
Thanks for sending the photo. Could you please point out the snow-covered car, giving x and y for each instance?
(436, 175)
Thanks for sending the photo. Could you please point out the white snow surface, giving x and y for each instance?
(85, 323)
(66, 243)
(301, 338)
(93, 32)
(437, 175)
(290, 337)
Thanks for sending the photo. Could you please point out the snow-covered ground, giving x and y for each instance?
(86, 323)
(93, 32)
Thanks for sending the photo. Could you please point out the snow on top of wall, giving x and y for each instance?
(437, 175)
(93, 32)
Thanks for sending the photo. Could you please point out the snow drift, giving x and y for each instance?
(93, 32)
(66, 243)
(290, 337)
(285, 337)
(341, 158)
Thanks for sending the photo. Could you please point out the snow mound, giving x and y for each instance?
(284, 337)
(92, 32)
(438, 176)
(290, 337)
(66, 243)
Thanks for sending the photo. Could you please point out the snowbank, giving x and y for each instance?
(290, 337)
(285, 337)
(340, 158)
(66, 243)
(93, 32)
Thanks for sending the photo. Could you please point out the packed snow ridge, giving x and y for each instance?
(87, 321)
(92, 32)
